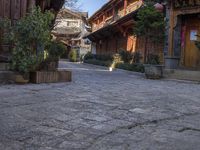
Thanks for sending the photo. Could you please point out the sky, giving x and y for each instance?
(91, 5)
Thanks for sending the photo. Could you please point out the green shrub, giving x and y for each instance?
(89, 55)
(101, 57)
(30, 36)
(24, 62)
(153, 59)
(104, 57)
(126, 56)
(131, 67)
(98, 62)
(55, 50)
(72, 55)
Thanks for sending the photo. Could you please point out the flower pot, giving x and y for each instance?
(153, 71)
(172, 62)
(21, 79)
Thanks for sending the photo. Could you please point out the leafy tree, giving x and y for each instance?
(29, 36)
(150, 25)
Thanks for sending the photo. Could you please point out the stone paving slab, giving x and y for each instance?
(100, 110)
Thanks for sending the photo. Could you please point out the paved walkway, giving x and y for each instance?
(100, 110)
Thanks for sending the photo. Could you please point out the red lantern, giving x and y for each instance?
(159, 7)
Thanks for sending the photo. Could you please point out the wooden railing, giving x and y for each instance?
(118, 15)
(133, 7)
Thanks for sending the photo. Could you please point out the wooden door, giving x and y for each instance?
(192, 53)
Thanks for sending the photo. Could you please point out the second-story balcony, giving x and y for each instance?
(134, 6)
(119, 13)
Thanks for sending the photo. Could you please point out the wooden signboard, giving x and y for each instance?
(186, 3)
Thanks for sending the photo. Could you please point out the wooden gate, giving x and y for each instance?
(192, 53)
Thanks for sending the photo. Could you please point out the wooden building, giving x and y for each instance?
(16, 9)
(70, 28)
(183, 30)
(112, 29)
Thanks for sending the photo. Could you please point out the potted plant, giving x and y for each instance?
(153, 69)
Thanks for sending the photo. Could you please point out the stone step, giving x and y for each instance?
(4, 66)
(7, 75)
(182, 74)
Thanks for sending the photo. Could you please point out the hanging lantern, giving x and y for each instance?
(159, 7)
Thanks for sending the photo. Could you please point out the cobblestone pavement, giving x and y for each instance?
(100, 110)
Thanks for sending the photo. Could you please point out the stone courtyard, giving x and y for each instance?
(100, 110)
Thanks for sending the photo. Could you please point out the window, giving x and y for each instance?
(72, 23)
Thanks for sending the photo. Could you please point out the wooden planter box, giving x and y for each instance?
(64, 76)
(50, 76)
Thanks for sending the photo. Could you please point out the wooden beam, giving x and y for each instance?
(125, 6)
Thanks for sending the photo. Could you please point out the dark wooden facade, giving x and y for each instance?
(112, 29)
(184, 26)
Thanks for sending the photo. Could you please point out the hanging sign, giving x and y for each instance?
(186, 3)
(193, 35)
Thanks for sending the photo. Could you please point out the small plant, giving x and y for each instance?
(153, 59)
(126, 56)
(131, 67)
(73, 55)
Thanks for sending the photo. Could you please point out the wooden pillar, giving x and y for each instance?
(98, 22)
(42, 5)
(125, 6)
(31, 4)
(113, 10)
(23, 7)
(1, 8)
(15, 10)
(104, 17)
(171, 31)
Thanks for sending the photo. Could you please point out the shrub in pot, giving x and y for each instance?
(28, 37)
(24, 62)
(153, 69)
